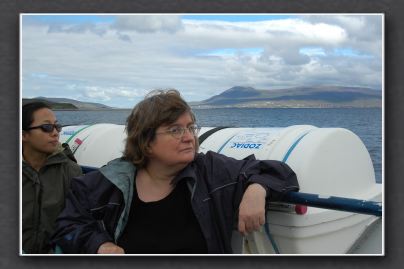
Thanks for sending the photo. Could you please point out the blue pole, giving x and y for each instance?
(335, 203)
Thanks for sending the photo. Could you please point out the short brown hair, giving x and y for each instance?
(159, 107)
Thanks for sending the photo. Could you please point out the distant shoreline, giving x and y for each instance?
(248, 97)
(290, 107)
(81, 109)
(202, 108)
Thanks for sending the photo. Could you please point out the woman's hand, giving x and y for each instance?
(252, 209)
(110, 248)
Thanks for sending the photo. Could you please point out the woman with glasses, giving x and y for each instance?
(162, 196)
(46, 175)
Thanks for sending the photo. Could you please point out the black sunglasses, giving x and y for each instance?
(47, 128)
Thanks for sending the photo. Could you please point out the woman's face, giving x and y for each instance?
(38, 140)
(169, 150)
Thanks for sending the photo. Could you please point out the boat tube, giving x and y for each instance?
(332, 163)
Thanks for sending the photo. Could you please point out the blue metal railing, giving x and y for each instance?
(335, 203)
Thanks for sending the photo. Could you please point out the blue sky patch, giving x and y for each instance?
(236, 17)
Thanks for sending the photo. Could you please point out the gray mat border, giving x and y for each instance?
(9, 106)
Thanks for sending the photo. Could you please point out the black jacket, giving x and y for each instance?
(98, 205)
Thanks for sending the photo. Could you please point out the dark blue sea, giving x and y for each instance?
(366, 123)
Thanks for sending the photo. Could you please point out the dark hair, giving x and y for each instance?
(28, 111)
(160, 107)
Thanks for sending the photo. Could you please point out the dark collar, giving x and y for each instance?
(187, 173)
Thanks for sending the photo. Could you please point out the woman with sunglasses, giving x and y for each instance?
(164, 197)
(46, 175)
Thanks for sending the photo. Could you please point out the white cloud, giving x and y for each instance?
(148, 23)
(108, 93)
(77, 28)
(96, 93)
(298, 29)
(200, 58)
(311, 51)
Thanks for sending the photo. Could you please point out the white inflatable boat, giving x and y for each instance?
(329, 163)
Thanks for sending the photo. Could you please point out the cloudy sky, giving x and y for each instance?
(117, 59)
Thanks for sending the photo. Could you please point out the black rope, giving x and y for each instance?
(210, 132)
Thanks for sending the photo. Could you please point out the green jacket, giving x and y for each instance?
(43, 198)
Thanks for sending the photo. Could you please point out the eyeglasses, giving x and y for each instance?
(177, 132)
(47, 128)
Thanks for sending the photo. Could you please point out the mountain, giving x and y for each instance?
(66, 103)
(249, 97)
(319, 96)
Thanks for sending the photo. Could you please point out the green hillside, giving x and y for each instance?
(53, 105)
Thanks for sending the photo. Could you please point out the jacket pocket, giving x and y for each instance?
(107, 216)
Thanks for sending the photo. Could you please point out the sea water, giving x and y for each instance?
(366, 123)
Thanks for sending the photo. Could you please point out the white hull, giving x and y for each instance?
(327, 161)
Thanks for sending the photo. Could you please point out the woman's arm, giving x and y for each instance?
(77, 229)
(253, 184)
(267, 180)
(251, 214)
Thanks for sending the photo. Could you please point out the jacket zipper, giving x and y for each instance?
(37, 215)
